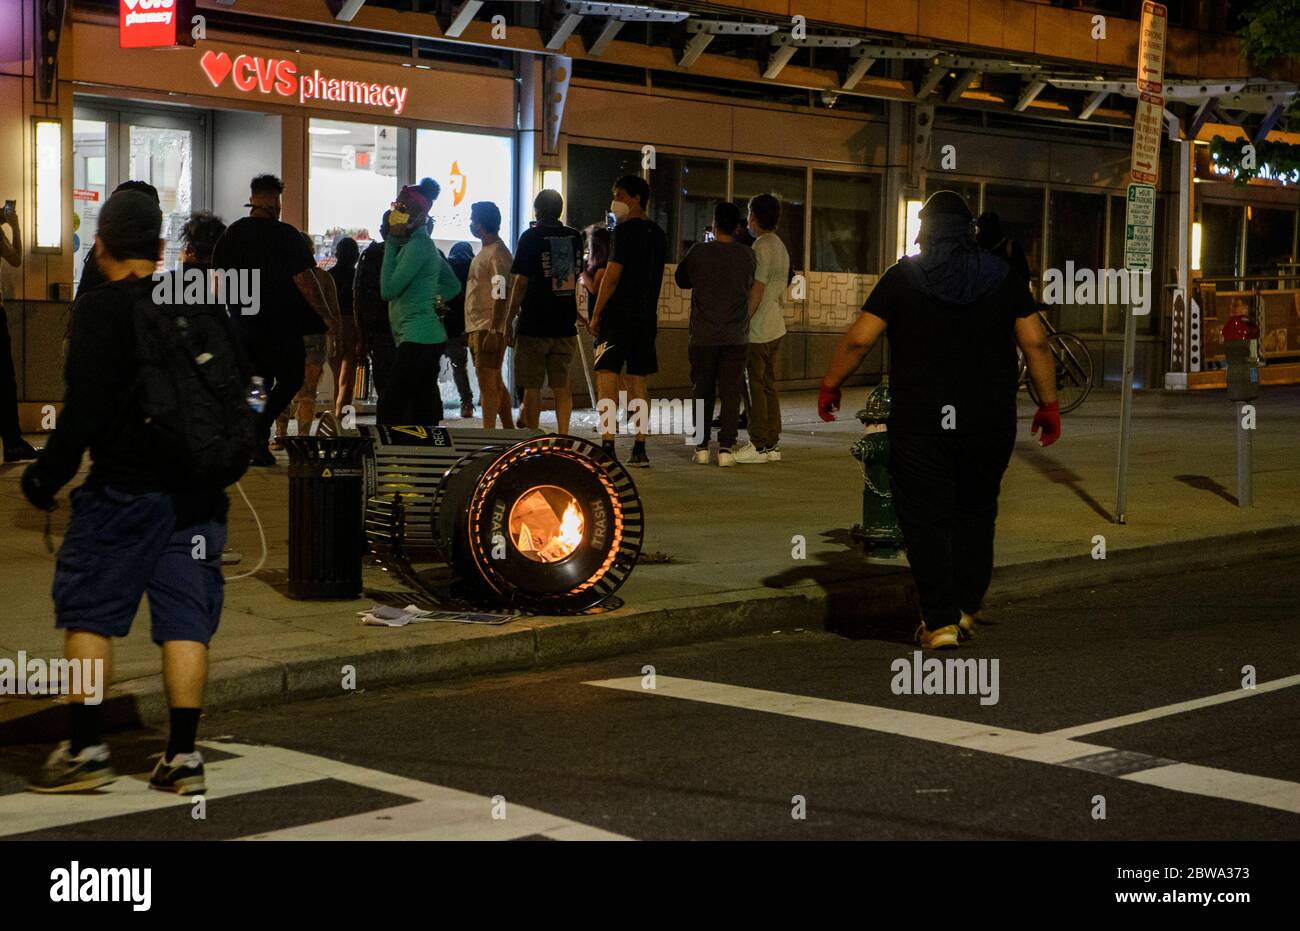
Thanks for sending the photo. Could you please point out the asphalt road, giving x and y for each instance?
(740, 738)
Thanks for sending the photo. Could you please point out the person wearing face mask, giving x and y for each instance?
(486, 309)
(288, 305)
(954, 314)
(413, 277)
(624, 322)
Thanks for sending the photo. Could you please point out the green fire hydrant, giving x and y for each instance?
(880, 534)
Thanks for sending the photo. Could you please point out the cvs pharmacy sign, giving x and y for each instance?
(154, 23)
(255, 74)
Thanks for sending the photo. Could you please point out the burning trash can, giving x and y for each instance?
(881, 536)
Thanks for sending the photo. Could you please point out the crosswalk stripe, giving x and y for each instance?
(435, 812)
(1050, 748)
(1139, 717)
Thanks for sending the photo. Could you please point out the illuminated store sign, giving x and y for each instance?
(253, 73)
(154, 23)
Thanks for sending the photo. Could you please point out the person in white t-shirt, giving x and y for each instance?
(487, 303)
(766, 330)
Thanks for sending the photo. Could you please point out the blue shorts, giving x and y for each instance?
(120, 546)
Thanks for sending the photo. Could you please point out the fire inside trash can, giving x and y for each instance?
(546, 523)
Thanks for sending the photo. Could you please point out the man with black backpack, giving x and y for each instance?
(156, 391)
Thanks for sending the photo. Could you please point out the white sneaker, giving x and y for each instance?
(774, 453)
(748, 454)
(726, 458)
(701, 456)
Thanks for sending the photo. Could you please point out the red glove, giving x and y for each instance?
(1049, 419)
(828, 402)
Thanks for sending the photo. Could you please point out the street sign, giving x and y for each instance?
(1139, 226)
(1148, 128)
(1151, 48)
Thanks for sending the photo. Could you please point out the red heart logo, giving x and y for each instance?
(216, 65)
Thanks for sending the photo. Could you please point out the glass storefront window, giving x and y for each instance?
(353, 180)
(164, 157)
(683, 193)
(846, 223)
(1270, 239)
(1077, 224)
(89, 185)
(1220, 240)
(1021, 211)
(789, 185)
(590, 181)
(471, 167)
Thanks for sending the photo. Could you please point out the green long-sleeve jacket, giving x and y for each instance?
(412, 279)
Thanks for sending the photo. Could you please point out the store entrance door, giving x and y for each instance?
(112, 145)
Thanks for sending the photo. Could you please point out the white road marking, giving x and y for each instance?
(435, 812)
(1151, 714)
(1040, 748)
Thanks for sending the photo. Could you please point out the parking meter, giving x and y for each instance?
(1241, 346)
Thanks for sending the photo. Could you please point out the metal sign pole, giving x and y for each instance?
(1125, 414)
(1144, 173)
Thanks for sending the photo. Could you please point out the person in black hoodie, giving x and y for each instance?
(374, 333)
(135, 522)
(954, 315)
(453, 321)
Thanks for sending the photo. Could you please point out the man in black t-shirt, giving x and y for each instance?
(289, 303)
(625, 320)
(954, 315)
(544, 297)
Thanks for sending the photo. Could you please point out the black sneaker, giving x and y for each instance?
(264, 457)
(182, 774)
(607, 447)
(17, 452)
(64, 772)
(639, 458)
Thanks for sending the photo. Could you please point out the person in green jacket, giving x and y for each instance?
(413, 277)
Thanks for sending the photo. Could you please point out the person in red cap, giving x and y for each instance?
(414, 275)
(954, 315)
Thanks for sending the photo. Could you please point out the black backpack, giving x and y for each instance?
(192, 391)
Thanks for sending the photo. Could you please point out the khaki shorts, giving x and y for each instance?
(484, 360)
(538, 360)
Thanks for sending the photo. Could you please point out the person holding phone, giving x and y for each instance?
(11, 251)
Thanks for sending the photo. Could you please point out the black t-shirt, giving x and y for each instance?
(950, 354)
(344, 279)
(550, 256)
(277, 251)
(640, 247)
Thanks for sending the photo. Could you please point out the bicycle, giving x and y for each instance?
(1073, 367)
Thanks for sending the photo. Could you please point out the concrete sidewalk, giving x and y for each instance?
(729, 537)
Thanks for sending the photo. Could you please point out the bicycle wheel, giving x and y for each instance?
(1073, 370)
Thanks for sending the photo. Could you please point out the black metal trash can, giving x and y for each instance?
(326, 515)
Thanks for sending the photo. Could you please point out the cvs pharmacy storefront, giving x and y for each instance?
(345, 133)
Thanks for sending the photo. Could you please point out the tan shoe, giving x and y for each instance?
(966, 626)
(945, 638)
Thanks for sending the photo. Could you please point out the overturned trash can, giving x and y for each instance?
(326, 513)
(880, 535)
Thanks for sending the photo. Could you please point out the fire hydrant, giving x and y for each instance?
(880, 533)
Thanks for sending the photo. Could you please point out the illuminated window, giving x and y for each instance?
(48, 158)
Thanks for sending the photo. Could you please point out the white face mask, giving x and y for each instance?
(619, 209)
